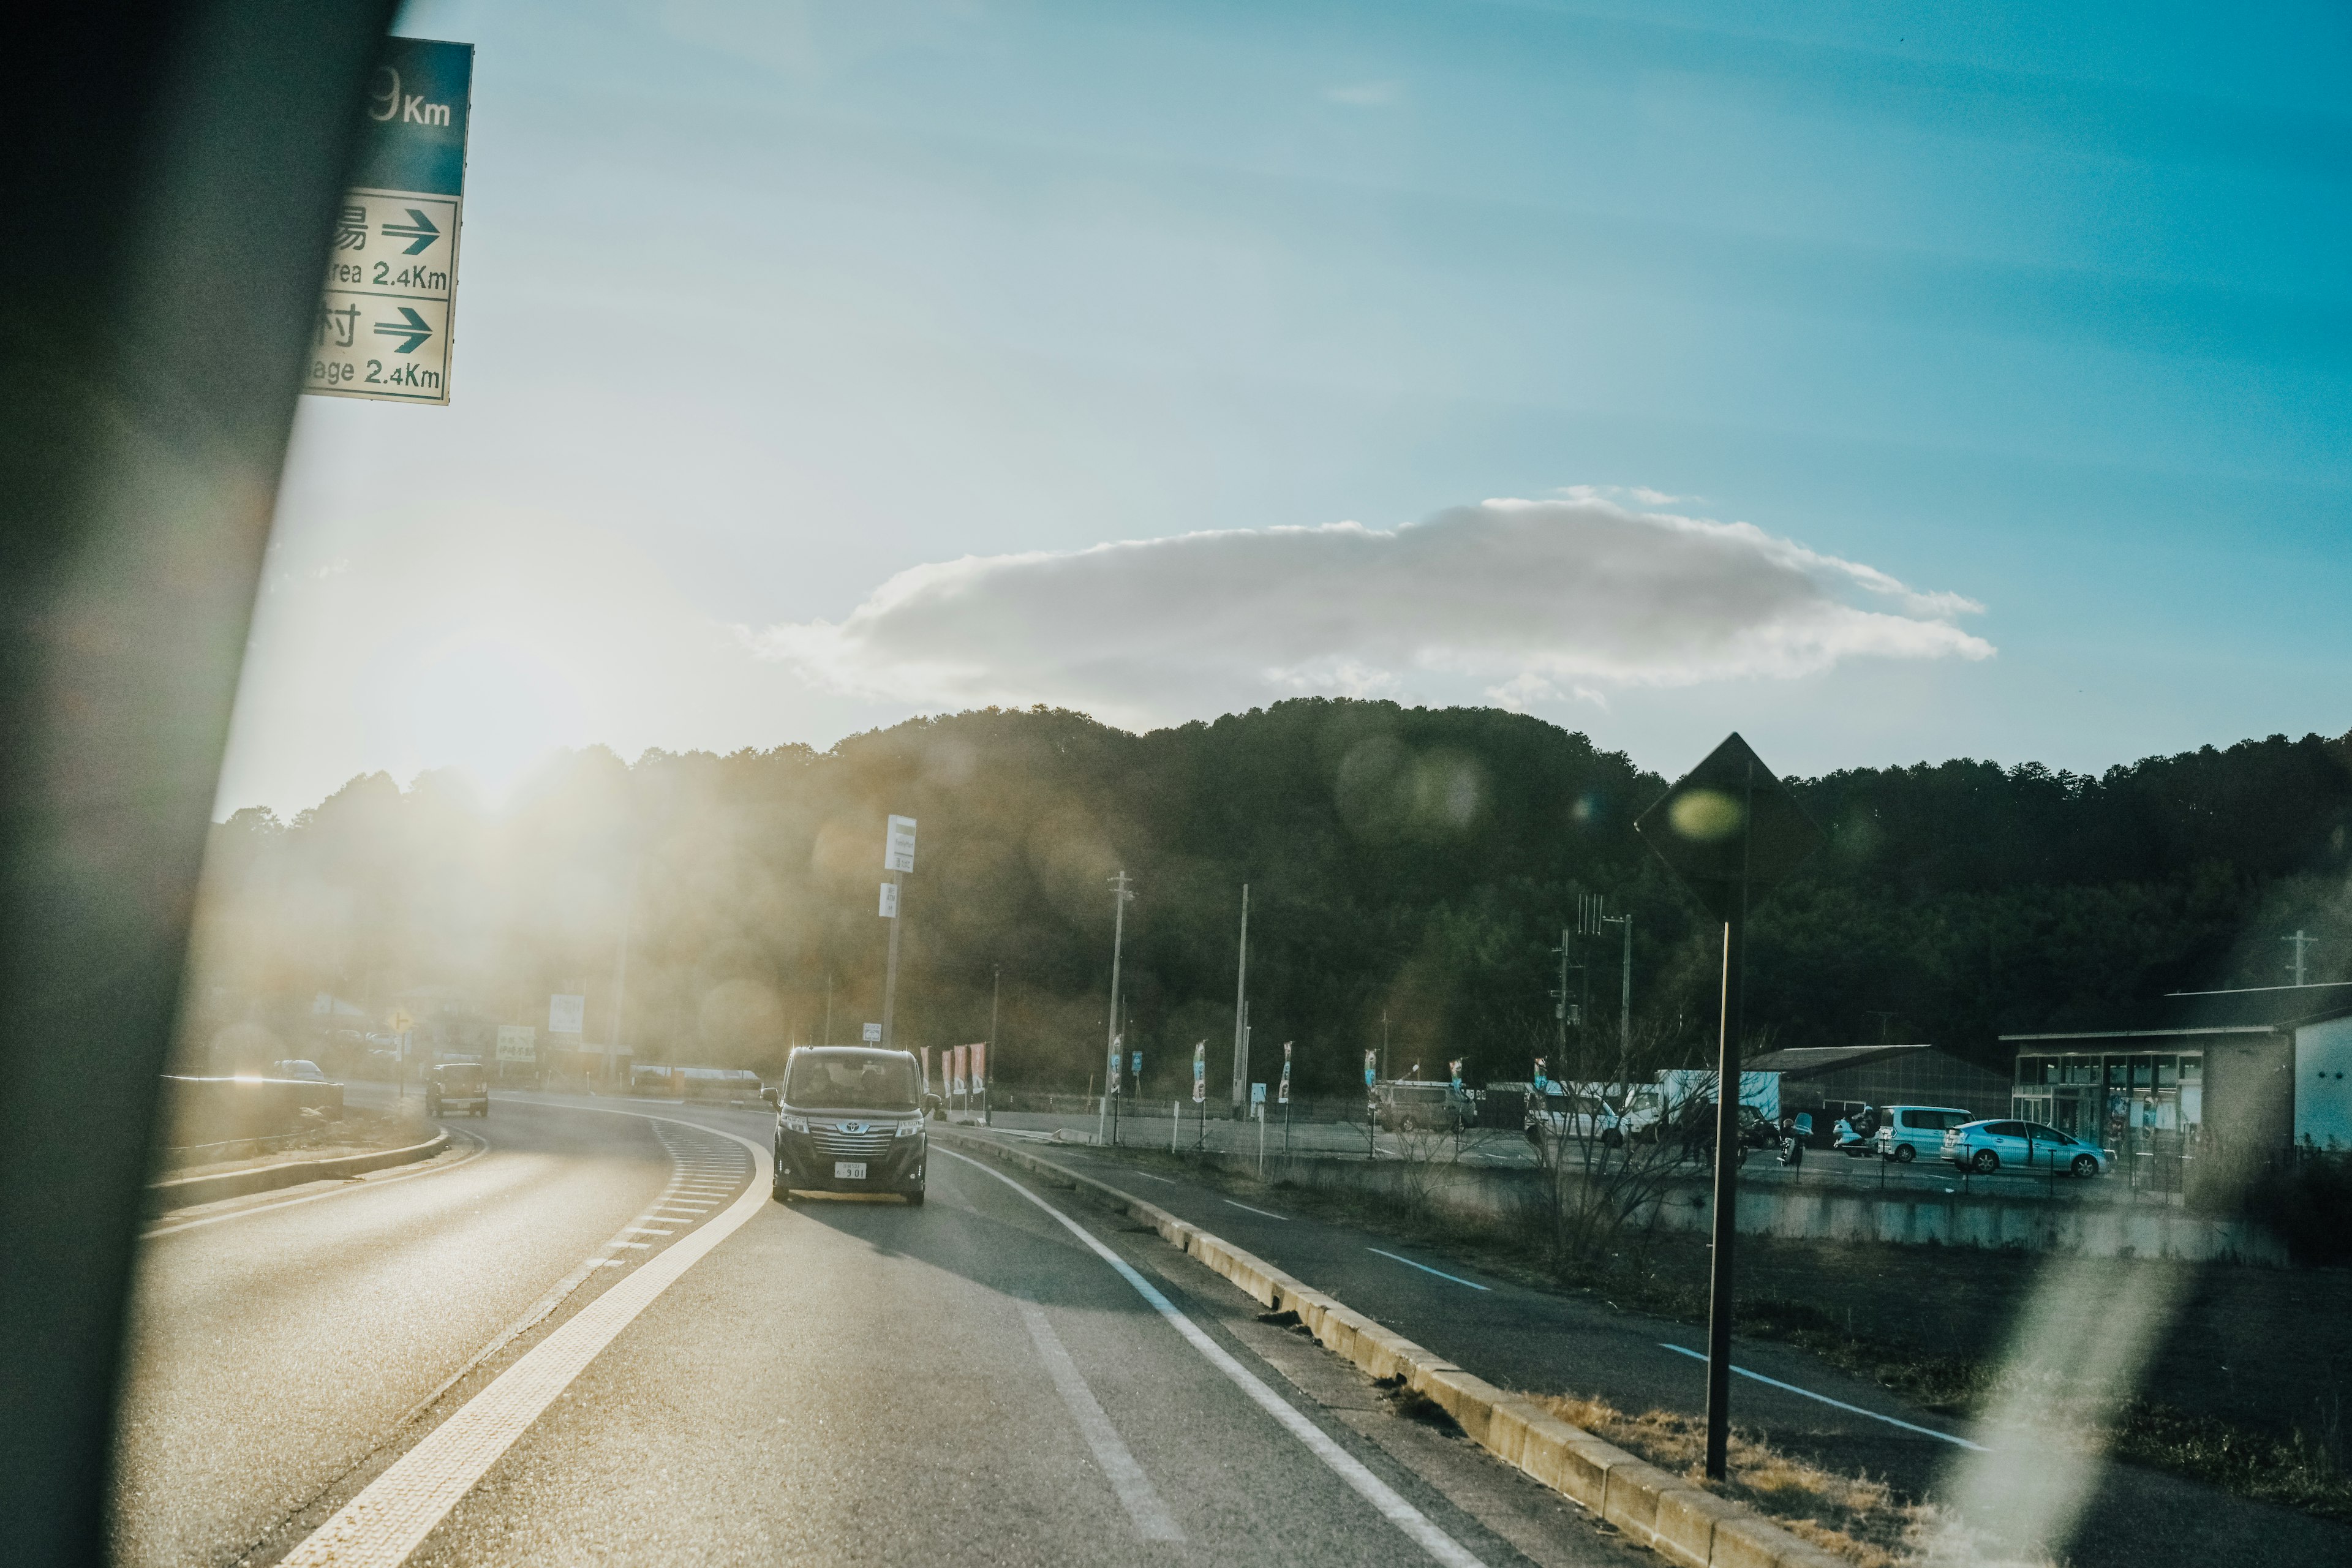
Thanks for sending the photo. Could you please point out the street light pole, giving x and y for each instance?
(995, 1062)
(1120, 895)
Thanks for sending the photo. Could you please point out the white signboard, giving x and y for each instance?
(392, 276)
(517, 1043)
(889, 901)
(873, 1034)
(564, 1013)
(898, 848)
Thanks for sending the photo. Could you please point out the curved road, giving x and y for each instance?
(1002, 1375)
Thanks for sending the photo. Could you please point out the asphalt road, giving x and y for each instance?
(1536, 1340)
(593, 1338)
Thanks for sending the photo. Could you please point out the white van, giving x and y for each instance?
(1910, 1130)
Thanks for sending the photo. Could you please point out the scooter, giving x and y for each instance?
(1856, 1137)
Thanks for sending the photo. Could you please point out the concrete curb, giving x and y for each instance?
(1661, 1511)
(186, 1191)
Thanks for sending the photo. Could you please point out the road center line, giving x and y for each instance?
(1153, 1521)
(1425, 1269)
(392, 1517)
(1384, 1497)
(1267, 1213)
(1826, 1399)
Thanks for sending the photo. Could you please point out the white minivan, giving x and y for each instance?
(1911, 1131)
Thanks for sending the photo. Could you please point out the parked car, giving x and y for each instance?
(1573, 1111)
(450, 1087)
(1910, 1130)
(300, 1071)
(1406, 1105)
(1985, 1147)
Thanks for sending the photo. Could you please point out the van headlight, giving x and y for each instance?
(909, 1127)
(793, 1123)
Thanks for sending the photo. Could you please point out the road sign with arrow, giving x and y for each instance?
(392, 269)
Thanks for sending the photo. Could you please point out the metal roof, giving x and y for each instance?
(1803, 1061)
(2256, 1010)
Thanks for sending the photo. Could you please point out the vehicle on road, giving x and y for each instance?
(1410, 1105)
(453, 1086)
(299, 1071)
(1988, 1146)
(849, 1118)
(1908, 1131)
(1587, 1111)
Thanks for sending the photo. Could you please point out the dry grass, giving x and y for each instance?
(1854, 1517)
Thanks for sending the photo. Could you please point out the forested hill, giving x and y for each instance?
(1408, 867)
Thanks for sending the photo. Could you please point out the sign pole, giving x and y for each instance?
(890, 974)
(1732, 831)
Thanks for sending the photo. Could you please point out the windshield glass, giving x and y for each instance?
(1158, 582)
(823, 1082)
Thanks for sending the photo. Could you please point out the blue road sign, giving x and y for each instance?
(383, 327)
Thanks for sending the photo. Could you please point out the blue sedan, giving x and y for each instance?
(1985, 1147)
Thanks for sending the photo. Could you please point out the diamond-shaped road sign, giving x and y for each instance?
(1728, 822)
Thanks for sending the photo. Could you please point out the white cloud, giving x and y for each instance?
(1515, 600)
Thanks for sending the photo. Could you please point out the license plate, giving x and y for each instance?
(849, 1170)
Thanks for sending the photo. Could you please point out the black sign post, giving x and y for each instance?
(1731, 831)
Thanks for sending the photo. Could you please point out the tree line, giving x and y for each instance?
(1409, 871)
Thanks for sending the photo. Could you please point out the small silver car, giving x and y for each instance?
(1985, 1147)
(1911, 1131)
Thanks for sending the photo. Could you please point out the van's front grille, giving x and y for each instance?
(870, 1144)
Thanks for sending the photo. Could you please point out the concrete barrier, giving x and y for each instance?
(186, 1191)
(1680, 1521)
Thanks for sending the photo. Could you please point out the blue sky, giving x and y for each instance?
(762, 307)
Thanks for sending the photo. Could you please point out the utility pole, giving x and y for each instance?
(1559, 997)
(1120, 895)
(1625, 991)
(995, 1062)
(1241, 1010)
(2299, 942)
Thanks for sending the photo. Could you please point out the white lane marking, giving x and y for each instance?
(1153, 1521)
(1164, 1181)
(639, 1246)
(647, 1230)
(395, 1512)
(1826, 1399)
(363, 1184)
(1268, 1213)
(1346, 1466)
(1425, 1269)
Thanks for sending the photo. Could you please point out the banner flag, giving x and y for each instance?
(1115, 1042)
(1372, 1069)
(979, 1062)
(959, 1069)
(1284, 1096)
(926, 1069)
(1200, 1072)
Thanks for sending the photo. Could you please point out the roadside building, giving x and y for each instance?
(1827, 1083)
(2199, 1071)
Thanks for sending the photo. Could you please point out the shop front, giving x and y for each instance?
(2139, 1102)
